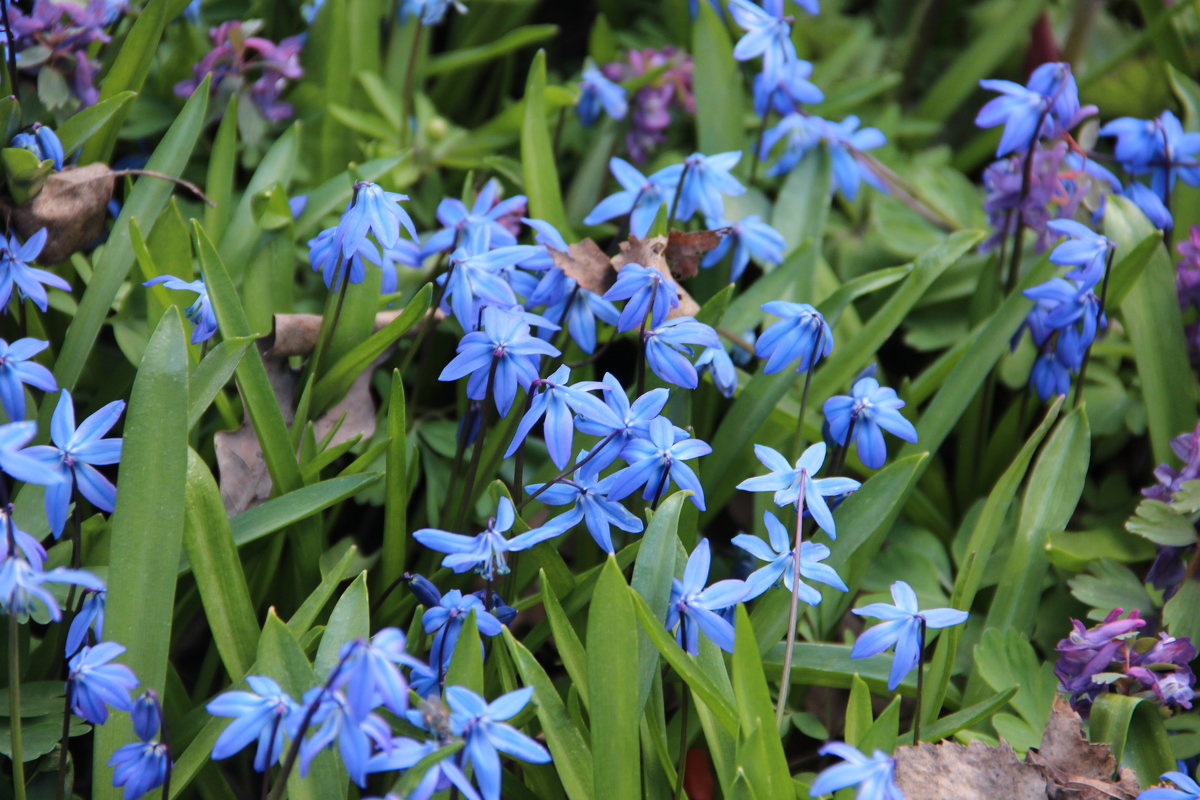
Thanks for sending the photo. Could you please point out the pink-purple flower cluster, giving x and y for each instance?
(651, 105)
(1187, 285)
(56, 36)
(1111, 656)
(236, 56)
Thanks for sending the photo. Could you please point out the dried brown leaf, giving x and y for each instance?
(652, 253)
(950, 771)
(685, 249)
(296, 334)
(1075, 768)
(71, 206)
(586, 264)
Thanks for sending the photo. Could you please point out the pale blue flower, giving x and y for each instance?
(904, 627)
(18, 368)
(795, 484)
(781, 563)
(259, 716)
(694, 607)
(483, 726)
(875, 776)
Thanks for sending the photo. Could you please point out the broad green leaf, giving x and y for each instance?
(572, 757)
(1134, 729)
(756, 711)
(147, 525)
(466, 662)
(537, 153)
(349, 620)
(951, 724)
(719, 117)
(1179, 614)
(395, 501)
(859, 715)
(208, 544)
(884, 732)
(566, 639)
(211, 375)
(1109, 585)
(1161, 524)
(831, 665)
(1129, 268)
(1155, 328)
(612, 677)
(652, 574)
(143, 204)
(803, 205)
(1051, 495)
(79, 127)
(984, 537)
(241, 233)
(1004, 659)
(507, 42)
(222, 171)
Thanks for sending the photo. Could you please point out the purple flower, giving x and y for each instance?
(236, 56)
(56, 37)
(904, 627)
(670, 86)
(1090, 651)
(502, 354)
(657, 458)
(694, 607)
(76, 453)
(95, 684)
(17, 368)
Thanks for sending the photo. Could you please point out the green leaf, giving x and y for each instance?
(1155, 328)
(1108, 586)
(951, 724)
(395, 501)
(719, 117)
(1004, 659)
(802, 209)
(211, 375)
(24, 172)
(572, 757)
(537, 153)
(333, 385)
(566, 639)
(831, 665)
(279, 512)
(1134, 729)
(1051, 495)
(1128, 270)
(349, 620)
(466, 662)
(243, 232)
(858, 711)
(652, 574)
(700, 684)
(1179, 614)
(507, 42)
(984, 536)
(222, 171)
(756, 711)
(79, 127)
(144, 204)
(1161, 524)
(147, 525)
(612, 680)
(208, 543)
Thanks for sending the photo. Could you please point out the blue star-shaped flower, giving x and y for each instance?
(596, 93)
(76, 453)
(903, 627)
(590, 504)
(640, 197)
(875, 776)
(97, 684)
(555, 402)
(200, 313)
(792, 484)
(867, 409)
(142, 765)
(694, 607)
(1085, 250)
(647, 291)
(369, 675)
(801, 333)
(668, 349)
(259, 716)
(17, 368)
(445, 619)
(632, 421)
(486, 552)
(1188, 789)
(483, 726)
(706, 179)
(768, 34)
(781, 566)
(750, 237)
(15, 271)
(460, 223)
(655, 460)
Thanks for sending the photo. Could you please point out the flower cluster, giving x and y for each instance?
(1110, 656)
(238, 54)
(53, 41)
(651, 103)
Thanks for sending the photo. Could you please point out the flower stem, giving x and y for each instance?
(839, 456)
(1087, 355)
(798, 436)
(477, 452)
(1014, 263)
(662, 482)
(60, 784)
(758, 141)
(678, 192)
(785, 680)
(409, 98)
(11, 51)
(684, 705)
(328, 326)
(14, 701)
(266, 776)
(289, 761)
(920, 683)
(641, 364)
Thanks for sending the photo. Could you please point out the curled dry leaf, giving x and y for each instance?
(951, 771)
(296, 334)
(685, 249)
(652, 253)
(71, 206)
(586, 264)
(1076, 768)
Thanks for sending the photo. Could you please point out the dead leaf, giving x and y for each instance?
(684, 250)
(652, 253)
(296, 334)
(72, 206)
(586, 264)
(1075, 768)
(950, 771)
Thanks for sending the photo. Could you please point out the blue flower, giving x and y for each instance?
(598, 92)
(200, 312)
(785, 90)
(633, 421)
(22, 586)
(369, 675)
(647, 291)
(16, 271)
(404, 753)
(868, 408)
(504, 345)
(23, 464)
(75, 455)
(28, 548)
(17, 367)
(802, 333)
(793, 484)
(325, 255)
(781, 563)
(655, 460)
(373, 211)
(799, 133)
(845, 140)
(91, 615)
(694, 607)
(904, 627)
(588, 494)
(95, 684)
(1049, 376)
(718, 363)
(555, 402)
(1150, 204)
(483, 726)
(751, 237)
(668, 350)
(461, 224)
(1048, 105)
(43, 143)
(259, 716)
(768, 34)
(476, 278)
(430, 12)
(875, 776)
(486, 552)
(1188, 789)
(585, 308)
(706, 179)
(641, 197)
(334, 722)
(143, 765)
(1085, 250)
(445, 619)
(1159, 147)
